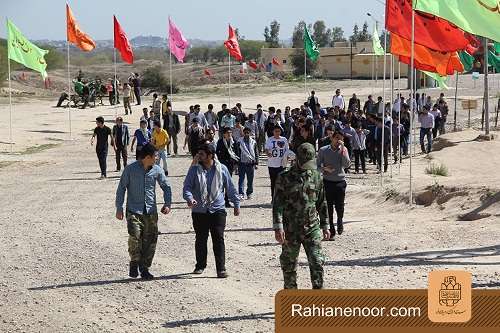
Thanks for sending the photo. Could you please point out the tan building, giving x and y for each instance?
(335, 62)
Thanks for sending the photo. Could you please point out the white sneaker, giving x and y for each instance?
(242, 197)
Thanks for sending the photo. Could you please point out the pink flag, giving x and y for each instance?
(176, 42)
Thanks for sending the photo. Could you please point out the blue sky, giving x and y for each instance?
(45, 19)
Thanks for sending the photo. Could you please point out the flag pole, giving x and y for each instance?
(10, 92)
(170, 72)
(382, 159)
(229, 80)
(114, 82)
(170, 60)
(305, 73)
(392, 103)
(486, 89)
(455, 113)
(399, 117)
(376, 57)
(69, 91)
(411, 94)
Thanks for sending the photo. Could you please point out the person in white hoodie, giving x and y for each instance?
(358, 142)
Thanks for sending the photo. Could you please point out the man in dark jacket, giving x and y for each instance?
(171, 124)
(378, 144)
(121, 137)
(227, 152)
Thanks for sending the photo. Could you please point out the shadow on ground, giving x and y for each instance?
(441, 257)
(214, 320)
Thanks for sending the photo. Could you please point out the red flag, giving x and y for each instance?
(207, 72)
(443, 63)
(232, 45)
(276, 62)
(430, 31)
(474, 43)
(122, 43)
(253, 64)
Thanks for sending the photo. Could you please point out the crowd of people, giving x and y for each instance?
(307, 150)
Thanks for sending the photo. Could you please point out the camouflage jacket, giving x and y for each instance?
(299, 204)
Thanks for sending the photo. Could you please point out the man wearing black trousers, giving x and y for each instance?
(102, 132)
(227, 153)
(332, 161)
(206, 182)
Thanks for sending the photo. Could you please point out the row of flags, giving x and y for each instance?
(444, 41)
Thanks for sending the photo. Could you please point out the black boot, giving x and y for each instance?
(133, 270)
(340, 227)
(332, 233)
(145, 274)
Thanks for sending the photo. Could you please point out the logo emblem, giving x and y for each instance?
(449, 296)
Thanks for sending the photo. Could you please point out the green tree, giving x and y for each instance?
(298, 35)
(218, 53)
(251, 49)
(199, 54)
(271, 34)
(54, 59)
(153, 77)
(337, 35)
(364, 36)
(321, 35)
(3, 62)
(297, 62)
(355, 34)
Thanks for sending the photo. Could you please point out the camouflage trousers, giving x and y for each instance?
(142, 237)
(289, 259)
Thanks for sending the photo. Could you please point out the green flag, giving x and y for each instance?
(310, 46)
(441, 80)
(21, 50)
(479, 17)
(497, 47)
(467, 60)
(494, 60)
(377, 47)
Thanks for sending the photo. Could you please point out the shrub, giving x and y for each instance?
(437, 170)
(153, 77)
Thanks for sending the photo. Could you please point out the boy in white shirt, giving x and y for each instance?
(276, 148)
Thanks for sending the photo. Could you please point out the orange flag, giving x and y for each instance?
(75, 35)
(443, 63)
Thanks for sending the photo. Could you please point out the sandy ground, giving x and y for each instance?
(63, 255)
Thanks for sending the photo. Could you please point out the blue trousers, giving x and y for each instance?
(247, 170)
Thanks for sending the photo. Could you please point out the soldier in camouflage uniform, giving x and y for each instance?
(300, 217)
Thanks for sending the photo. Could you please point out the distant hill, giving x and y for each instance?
(139, 41)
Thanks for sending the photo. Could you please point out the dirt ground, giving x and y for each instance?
(63, 255)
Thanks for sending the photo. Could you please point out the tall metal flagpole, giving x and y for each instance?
(305, 73)
(382, 159)
(417, 110)
(69, 92)
(411, 94)
(229, 81)
(170, 62)
(486, 88)
(170, 71)
(392, 103)
(376, 57)
(10, 93)
(399, 118)
(455, 112)
(114, 83)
